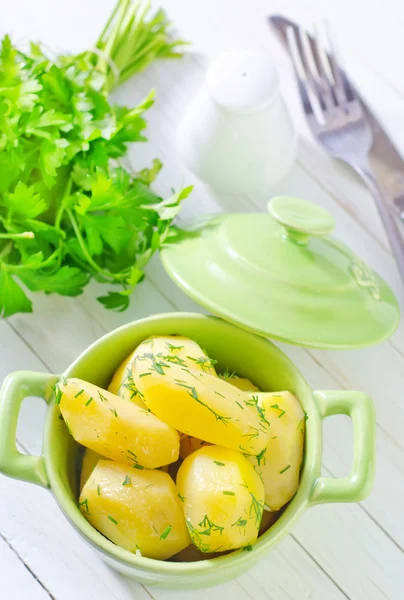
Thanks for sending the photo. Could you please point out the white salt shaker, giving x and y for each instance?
(237, 135)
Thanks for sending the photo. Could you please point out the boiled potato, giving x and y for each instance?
(115, 428)
(137, 510)
(279, 465)
(241, 383)
(175, 348)
(200, 404)
(189, 444)
(122, 383)
(90, 459)
(223, 499)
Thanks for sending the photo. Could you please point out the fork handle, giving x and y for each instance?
(393, 232)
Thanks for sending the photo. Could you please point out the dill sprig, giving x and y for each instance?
(111, 518)
(228, 493)
(127, 480)
(284, 470)
(194, 394)
(79, 393)
(84, 504)
(256, 509)
(89, 401)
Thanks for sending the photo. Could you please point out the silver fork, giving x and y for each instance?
(337, 119)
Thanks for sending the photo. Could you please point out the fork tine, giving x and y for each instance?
(343, 90)
(322, 65)
(308, 93)
(299, 69)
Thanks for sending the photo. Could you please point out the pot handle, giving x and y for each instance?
(358, 484)
(16, 387)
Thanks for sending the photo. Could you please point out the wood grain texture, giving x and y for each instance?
(335, 551)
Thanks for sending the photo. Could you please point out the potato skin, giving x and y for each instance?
(223, 499)
(200, 404)
(115, 428)
(279, 465)
(138, 510)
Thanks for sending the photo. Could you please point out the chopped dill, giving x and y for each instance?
(84, 503)
(102, 397)
(284, 470)
(166, 532)
(127, 480)
(89, 401)
(114, 412)
(228, 493)
(182, 498)
(219, 464)
(111, 518)
(144, 374)
(79, 393)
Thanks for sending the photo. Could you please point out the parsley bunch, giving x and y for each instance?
(68, 210)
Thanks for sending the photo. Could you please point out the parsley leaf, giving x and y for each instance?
(68, 211)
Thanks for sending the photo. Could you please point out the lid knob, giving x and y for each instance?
(300, 218)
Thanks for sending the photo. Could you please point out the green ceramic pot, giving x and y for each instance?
(248, 354)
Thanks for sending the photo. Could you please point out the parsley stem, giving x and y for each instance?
(28, 235)
(6, 250)
(90, 260)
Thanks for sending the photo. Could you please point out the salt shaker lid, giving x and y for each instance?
(243, 80)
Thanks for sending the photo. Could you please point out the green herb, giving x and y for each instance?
(111, 518)
(276, 407)
(140, 467)
(84, 504)
(203, 361)
(114, 412)
(261, 457)
(176, 360)
(68, 211)
(228, 493)
(166, 532)
(219, 464)
(253, 401)
(58, 394)
(88, 402)
(248, 548)
(194, 394)
(242, 523)
(99, 489)
(221, 395)
(240, 405)
(275, 437)
(256, 509)
(64, 380)
(228, 375)
(182, 498)
(102, 397)
(284, 470)
(144, 374)
(79, 393)
(127, 480)
(171, 347)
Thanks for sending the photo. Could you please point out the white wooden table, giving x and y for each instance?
(335, 551)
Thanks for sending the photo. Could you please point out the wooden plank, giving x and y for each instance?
(16, 579)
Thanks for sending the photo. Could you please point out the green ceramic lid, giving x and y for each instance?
(282, 276)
